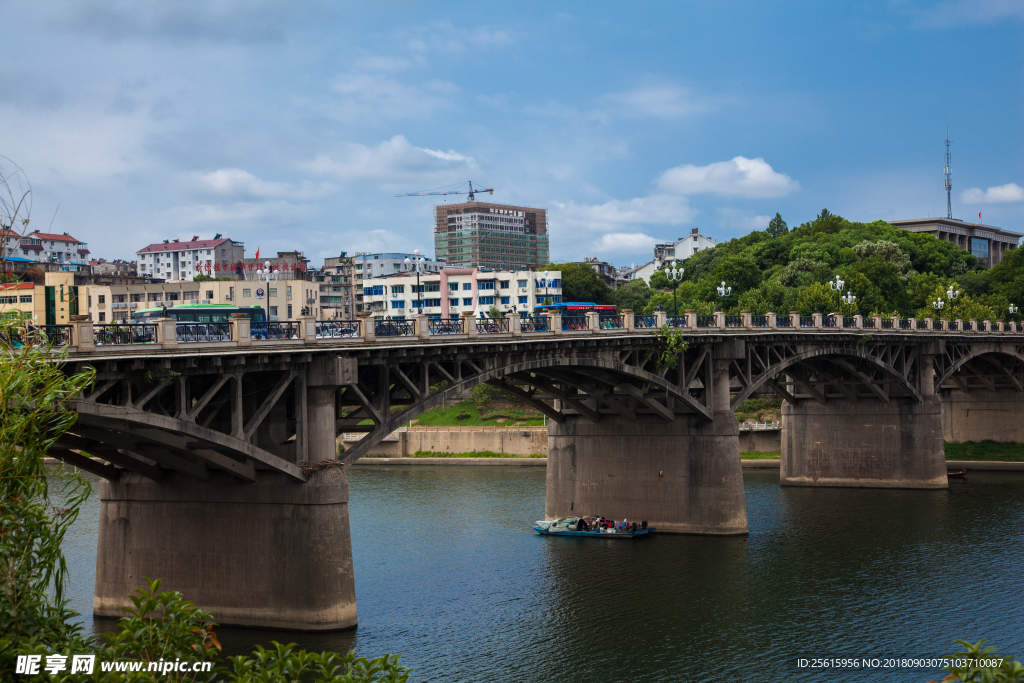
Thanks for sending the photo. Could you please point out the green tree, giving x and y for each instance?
(633, 295)
(580, 282)
(659, 280)
(777, 227)
(817, 297)
(963, 306)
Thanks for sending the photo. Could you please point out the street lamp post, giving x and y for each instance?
(938, 304)
(837, 286)
(266, 275)
(849, 298)
(676, 276)
(1013, 311)
(723, 292)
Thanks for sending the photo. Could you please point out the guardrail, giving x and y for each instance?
(445, 326)
(274, 330)
(202, 332)
(491, 325)
(339, 329)
(575, 323)
(51, 335)
(676, 321)
(759, 426)
(650, 322)
(706, 321)
(394, 328)
(123, 334)
(540, 323)
(610, 322)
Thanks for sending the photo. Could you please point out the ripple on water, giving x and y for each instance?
(449, 574)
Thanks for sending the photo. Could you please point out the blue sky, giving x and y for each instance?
(293, 125)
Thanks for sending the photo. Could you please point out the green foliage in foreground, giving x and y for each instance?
(34, 614)
(512, 415)
(984, 450)
(983, 665)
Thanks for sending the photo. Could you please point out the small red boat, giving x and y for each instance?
(956, 475)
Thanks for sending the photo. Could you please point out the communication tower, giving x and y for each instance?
(949, 179)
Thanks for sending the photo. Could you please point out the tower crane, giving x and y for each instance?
(471, 192)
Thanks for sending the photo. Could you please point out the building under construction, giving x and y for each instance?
(485, 235)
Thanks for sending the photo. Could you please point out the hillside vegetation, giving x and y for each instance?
(891, 272)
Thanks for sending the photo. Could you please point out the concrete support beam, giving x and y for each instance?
(682, 477)
(272, 554)
(867, 444)
(983, 416)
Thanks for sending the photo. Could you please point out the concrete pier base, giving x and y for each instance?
(682, 477)
(272, 554)
(983, 416)
(867, 444)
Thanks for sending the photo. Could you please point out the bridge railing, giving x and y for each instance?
(674, 321)
(395, 328)
(610, 322)
(123, 334)
(575, 323)
(650, 322)
(492, 326)
(445, 326)
(335, 329)
(50, 335)
(274, 330)
(538, 323)
(706, 321)
(202, 332)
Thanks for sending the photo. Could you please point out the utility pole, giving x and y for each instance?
(949, 178)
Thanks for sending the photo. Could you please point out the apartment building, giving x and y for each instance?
(284, 299)
(452, 291)
(45, 247)
(117, 267)
(340, 298)
(50, 303)
(368, 265)
(495, 236)
(684, 247)
(177, 260)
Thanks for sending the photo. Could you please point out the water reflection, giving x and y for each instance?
(448, 573)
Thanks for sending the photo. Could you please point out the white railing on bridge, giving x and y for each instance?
(759, 426)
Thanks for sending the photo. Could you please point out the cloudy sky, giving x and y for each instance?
(292, 125)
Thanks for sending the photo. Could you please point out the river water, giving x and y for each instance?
(449, 574)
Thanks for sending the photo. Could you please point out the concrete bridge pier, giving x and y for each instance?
(983, 415)
(269, 553)
(682, 476)
(867, 443)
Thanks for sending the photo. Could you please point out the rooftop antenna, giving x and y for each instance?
(949, 178)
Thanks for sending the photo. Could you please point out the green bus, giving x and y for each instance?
(199, 313)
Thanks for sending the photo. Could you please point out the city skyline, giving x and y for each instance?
(294, 129)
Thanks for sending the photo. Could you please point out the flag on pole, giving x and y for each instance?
(257, 252)
(979, 216)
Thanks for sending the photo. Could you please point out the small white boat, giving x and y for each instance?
(567, 526)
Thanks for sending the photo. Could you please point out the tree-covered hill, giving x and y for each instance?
(891, 271)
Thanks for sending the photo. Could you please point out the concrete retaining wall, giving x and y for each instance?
(507, 441)
(761, 440)
(982, 416)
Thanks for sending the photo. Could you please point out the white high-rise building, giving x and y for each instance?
(176, 260)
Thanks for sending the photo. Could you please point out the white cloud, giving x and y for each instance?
(236, 182)
(376, 95)
(738, 177)
(1000, 194)
(660, 100)
(616, 243)
(613, 215)
(391, 162)
(741, 220)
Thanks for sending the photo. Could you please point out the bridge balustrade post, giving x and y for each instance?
(307, 328)
(661, 319)
(974, 324)
(514, 325)
(691, 320)
(794, 319)
(928, 323)
(858, 321)
(770, 315)
(369, 329)
(945, 324)
(469, 324)
(747, 321)
(81, 333)
(166, 333)
(555, 322)
(878, 322)
(817, 320)
(839, 321)
(720, 320)
(422, 326)
(988, 325)
(240, 329)
(895, 323)
(594, 321)
(959, 324)
(627, 320)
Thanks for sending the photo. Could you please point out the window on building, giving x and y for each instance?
(272, 311)
(8, 299)
(468, 301)
(487, 301)
(522, 283)
(191, 295)
(288, 293)
(485, 284)
(398, 304)
(154, 296)
(432, 287)
(246, 293)
(399, 289)
(173, 296)
(375, 290)
(524, 299)
(103, 317)
(26, 299)
(272, 293)
(505, 300)
(453, 302)
(289, 311)
(467, 286)
(453, 286)
(136, 298)
(979, 247)
(505, 284)
(102, 298)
